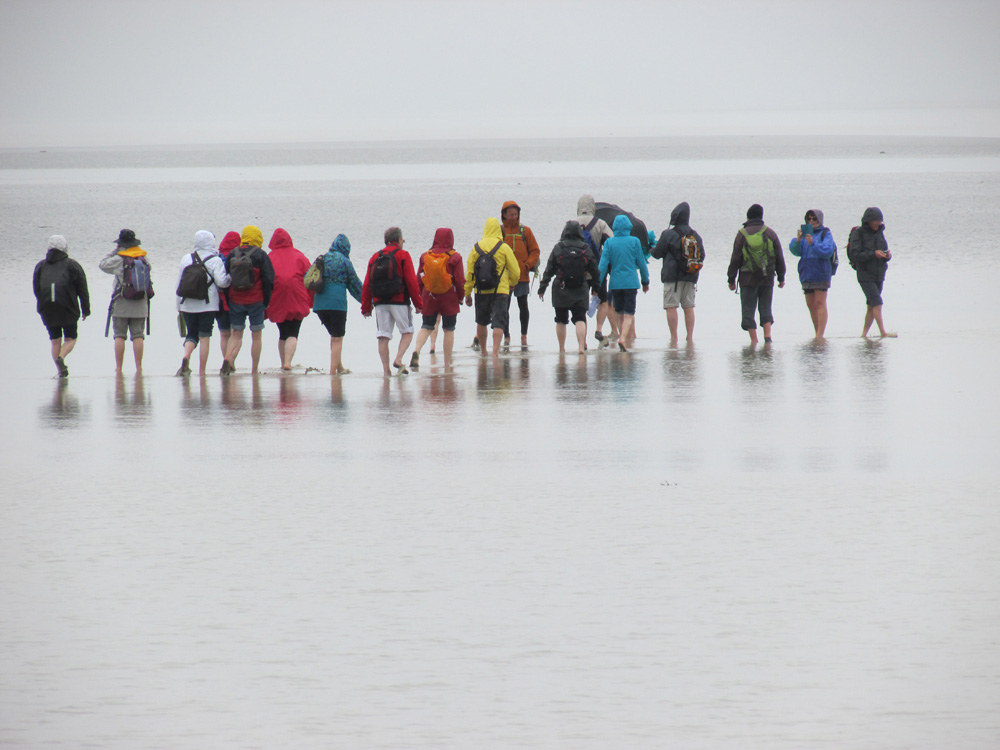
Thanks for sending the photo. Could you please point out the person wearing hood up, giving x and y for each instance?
(814, 246)
(251, 284)
(492, 282)
(229, 243)
(621, 257)
(600, 232)
(61, 295)
(574, 267)
(199, 314)
(442, 284)
(869, 255)
(521, 240)
(330, 303)
(679, 283)
(130, 316)
(290, 300)
(757, 259)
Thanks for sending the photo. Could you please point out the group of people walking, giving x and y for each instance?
(593, 269)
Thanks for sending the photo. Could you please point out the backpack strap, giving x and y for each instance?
(591, 224)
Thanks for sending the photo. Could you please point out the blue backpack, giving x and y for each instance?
(136, 282)
(589, 238)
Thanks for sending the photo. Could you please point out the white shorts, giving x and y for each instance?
(386, 316)
(678, 294)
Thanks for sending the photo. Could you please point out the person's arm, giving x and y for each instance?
(112, 263)
(736, 260)
(602, 270)
(640, 261)
(413, 287)
(470, 268)
(351, 279)
(266, 278)
(823, 244)
(80, 286)
(366, 290)
(457, 274)
(534, 252)
(217, 267)
(779, 257)
(593, 270)
(420, 275)
(659, 250)
(512, 267)
(550, 270)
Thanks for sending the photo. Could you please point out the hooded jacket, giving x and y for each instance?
(507, 265)
(450, 302)
(410, 291)
(263, 284)
(668, 247)
(622, 256)
(571, 239)
(229, 242)
(863, 244)
(339, 277)
(114, 263)
(586, 215)
(522, 241)
(60, 286)
(753, 277)
(816, 257)
(204, 245)
(290, 299)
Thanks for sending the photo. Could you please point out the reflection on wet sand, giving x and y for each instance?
(680, 371)
(133, 407)
(64, 410)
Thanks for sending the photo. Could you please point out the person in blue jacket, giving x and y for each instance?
(815, 249)
(621, 257)
(330, 304)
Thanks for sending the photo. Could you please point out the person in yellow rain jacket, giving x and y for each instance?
(492, 282)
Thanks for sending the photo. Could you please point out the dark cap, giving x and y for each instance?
(756, 211)
(126, 238)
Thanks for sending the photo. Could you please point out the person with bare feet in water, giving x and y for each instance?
(869, 255)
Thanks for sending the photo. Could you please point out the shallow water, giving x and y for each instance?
(717, 546)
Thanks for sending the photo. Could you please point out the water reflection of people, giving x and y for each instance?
(132, 407)
(64, 410)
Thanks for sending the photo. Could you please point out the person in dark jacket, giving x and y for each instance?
(570, 295)
(62, 295)
(679, 284)
(869, 254)
(250, 303)
(756, 281)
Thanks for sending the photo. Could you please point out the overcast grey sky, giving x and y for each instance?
(108, 72)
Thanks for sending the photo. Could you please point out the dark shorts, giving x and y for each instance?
(222, 318)
(447, 322)
(623, 300)
(814, 286)
(335, 322)
(873, 292)
(491, 310)
(238, 315)
(199, 325)
(289, 329)
(752, 300)
(577, 313)
(59, 332)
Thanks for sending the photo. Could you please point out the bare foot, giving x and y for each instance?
(889, 335)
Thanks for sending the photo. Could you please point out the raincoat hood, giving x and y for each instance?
(252, 236)
(586, 206)
(681, 215)
(818, 214)
(492, 234)
(572, 231)
(204, 243)
(230, 241)
(510, 204)
(280, 240)
(444, 240)
(622, 226)
(58, 242)
(871, 214)
(54, 254)
(341, 245)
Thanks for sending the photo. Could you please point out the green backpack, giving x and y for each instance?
(758, 251)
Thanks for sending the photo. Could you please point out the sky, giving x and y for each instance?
(113, 73)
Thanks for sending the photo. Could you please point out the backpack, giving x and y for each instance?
(194, 281)
(136, 283)
(572, 267)
(589, 238)
(485, 270)
(385, 280)
(55, 287)
(437, 278)
(241, 269)
(758, 251)
(313, 278)
(692, 256)
(851, 257)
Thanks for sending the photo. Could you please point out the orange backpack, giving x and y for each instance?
(437, 278)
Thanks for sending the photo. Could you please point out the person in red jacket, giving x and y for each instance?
(442, 285)
(390, 285)
(291, 302)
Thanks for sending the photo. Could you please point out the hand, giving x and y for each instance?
(781, 284)
(809, 239)
(732, 286)
(645, 288)
(798, 235)
(541, 295)
(468, 300)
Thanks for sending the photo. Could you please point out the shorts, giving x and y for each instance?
(238, 315)
(814, 286)
(602, 293)
(289, 329)
(679, 294)
(491, 310)
(521, 289)
(873, 292)
(577, 313)
(335, 322)
(59, 332)
(199, 325)
(222, 318)
(387, 316)
(623, 300)
(447, 322)
(135, 327)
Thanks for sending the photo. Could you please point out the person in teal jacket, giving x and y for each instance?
(815, 249)
(621, 257)
(330, 304)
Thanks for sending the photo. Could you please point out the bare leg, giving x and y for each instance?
(434, 333)
(256, 342)
(811, 304)
(56, 347)
(119, 354)
(626, 330)
(224, 337)
(581, 336)
(383, 354)
(404, 344)
(753, 335)
(876, 313)
(689, 323)
(767, 330)
(336, 355)
(449, 345)
(561, 336)
(204, 346)
(820, 313)
(498, 337)
(281, 352)
(291, 344)
(138, 345)
(481, 338)
(422, 335)
(672, 323)
(235, 344)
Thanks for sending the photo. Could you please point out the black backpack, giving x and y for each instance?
(572, 267)
(386, 280)
(241, 269)
(195, 280)
(55, 288)
(485, 270)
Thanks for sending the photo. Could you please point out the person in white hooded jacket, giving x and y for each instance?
(199, 314)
